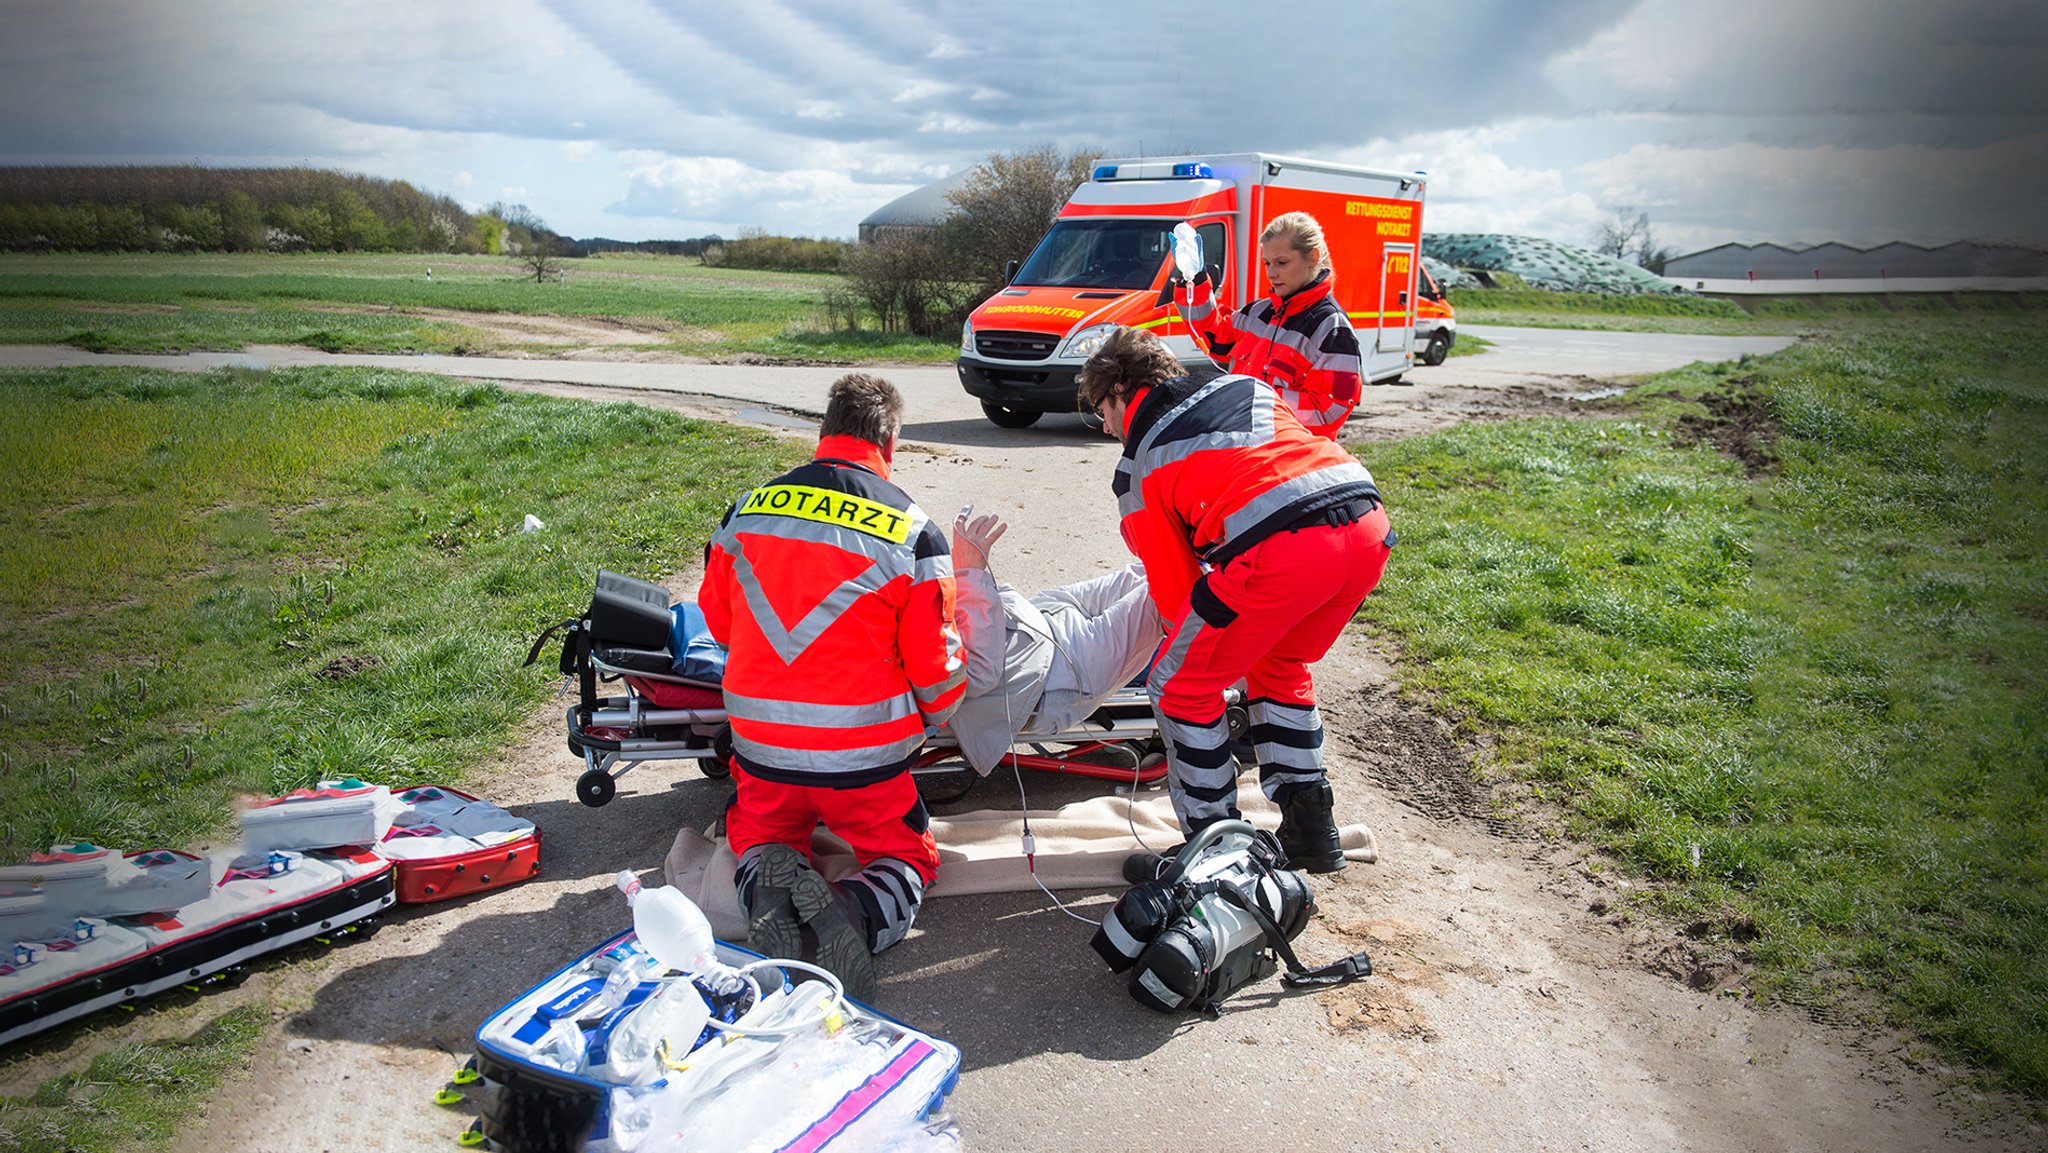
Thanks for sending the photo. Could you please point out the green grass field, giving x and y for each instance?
(1772, 635)
(134, 1096)
(387, 303)
(238, 582)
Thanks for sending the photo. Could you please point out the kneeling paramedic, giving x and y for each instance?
(833, 595)
(1290, 529)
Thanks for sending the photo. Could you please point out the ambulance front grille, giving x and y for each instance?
(1015, 345)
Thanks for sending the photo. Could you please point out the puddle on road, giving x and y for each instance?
(1596, 394)
(769, 416)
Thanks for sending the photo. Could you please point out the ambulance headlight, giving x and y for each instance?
(1083, 344)
(967, 336)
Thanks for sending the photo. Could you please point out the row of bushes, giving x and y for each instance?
(755, 249)
(189, 208)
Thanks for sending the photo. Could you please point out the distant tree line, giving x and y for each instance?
(190, 208)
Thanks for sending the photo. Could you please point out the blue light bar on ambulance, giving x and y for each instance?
(1105, 172)
(1197, 171)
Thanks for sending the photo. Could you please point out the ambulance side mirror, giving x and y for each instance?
(1010, 272)
(1215, 272)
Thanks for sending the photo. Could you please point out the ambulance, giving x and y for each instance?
(1105, 261)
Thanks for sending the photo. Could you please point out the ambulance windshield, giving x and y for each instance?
(1099, 254)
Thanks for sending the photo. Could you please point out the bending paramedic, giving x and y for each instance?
(1298, 340)
(1038, 666)
(1260, 540)
(833, 595)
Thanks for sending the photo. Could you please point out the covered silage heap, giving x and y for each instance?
(1540, 263)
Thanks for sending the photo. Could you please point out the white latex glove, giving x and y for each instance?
(974, 536)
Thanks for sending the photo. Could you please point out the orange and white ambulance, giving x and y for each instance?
(1105, 261)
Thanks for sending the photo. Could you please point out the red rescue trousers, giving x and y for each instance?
(885, 819)
(1264, 618)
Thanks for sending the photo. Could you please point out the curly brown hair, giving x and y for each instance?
(1129, 360)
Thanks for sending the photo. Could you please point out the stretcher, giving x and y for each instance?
(638, 702)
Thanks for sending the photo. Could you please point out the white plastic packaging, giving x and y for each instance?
(1187, 250)
(670, 927)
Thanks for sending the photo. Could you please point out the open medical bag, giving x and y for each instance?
(568, 1060)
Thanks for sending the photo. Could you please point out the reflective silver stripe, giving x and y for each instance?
(931, 568)
(825, 760)
(1313, 417)
(1337, 362)
(1196, 311)
(1259, 328)
(789, 644)
(1160, 456)
(1281, 495)
(1176, 654)
(1113, 928)
(763, 709)
(1158, 428)
(1302, 718)
(926, 694)
(896, 556)
(895, 890)
(1131, 499)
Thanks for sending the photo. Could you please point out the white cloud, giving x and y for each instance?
(920, 90)
(1747, 118)
(513, 192)
(733, 194)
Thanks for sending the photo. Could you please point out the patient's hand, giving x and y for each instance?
(972, 539)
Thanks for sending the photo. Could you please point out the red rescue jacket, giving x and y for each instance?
(1303, 345)
(1210, 470)
(833, 595)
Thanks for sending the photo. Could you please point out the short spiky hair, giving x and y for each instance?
(1129, 360)
(864, 406)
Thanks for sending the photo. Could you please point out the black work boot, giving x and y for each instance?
(1308, 830)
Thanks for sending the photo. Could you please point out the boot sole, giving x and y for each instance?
(807, 900)
(776, 929)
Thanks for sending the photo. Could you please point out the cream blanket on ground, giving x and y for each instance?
(1079, 846)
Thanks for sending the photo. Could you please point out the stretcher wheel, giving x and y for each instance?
(595, 788)
(718, 766)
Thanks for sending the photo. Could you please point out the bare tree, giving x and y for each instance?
(540, 255)
(1622, 234)
(1626, 234)
(1007, 203)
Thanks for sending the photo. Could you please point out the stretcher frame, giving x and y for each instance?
(614, 733)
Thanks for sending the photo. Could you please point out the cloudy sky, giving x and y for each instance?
(1862, 121)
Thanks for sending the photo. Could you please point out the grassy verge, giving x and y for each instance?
(1797, 681)
(1760, 316)
(135, 1096)
(387, 303)
(1469, 345)
(240, 582)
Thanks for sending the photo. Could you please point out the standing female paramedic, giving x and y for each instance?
(1260, 540)
(1298, 340)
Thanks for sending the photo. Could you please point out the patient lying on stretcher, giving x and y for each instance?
(1038, 666)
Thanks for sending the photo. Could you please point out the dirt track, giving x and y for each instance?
(1520, 1002)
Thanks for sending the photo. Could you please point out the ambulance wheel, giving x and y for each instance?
(595, 788)
(1009, 417)
(1439, 348)
(718, 766)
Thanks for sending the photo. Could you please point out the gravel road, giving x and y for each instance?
(1519, 1001)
